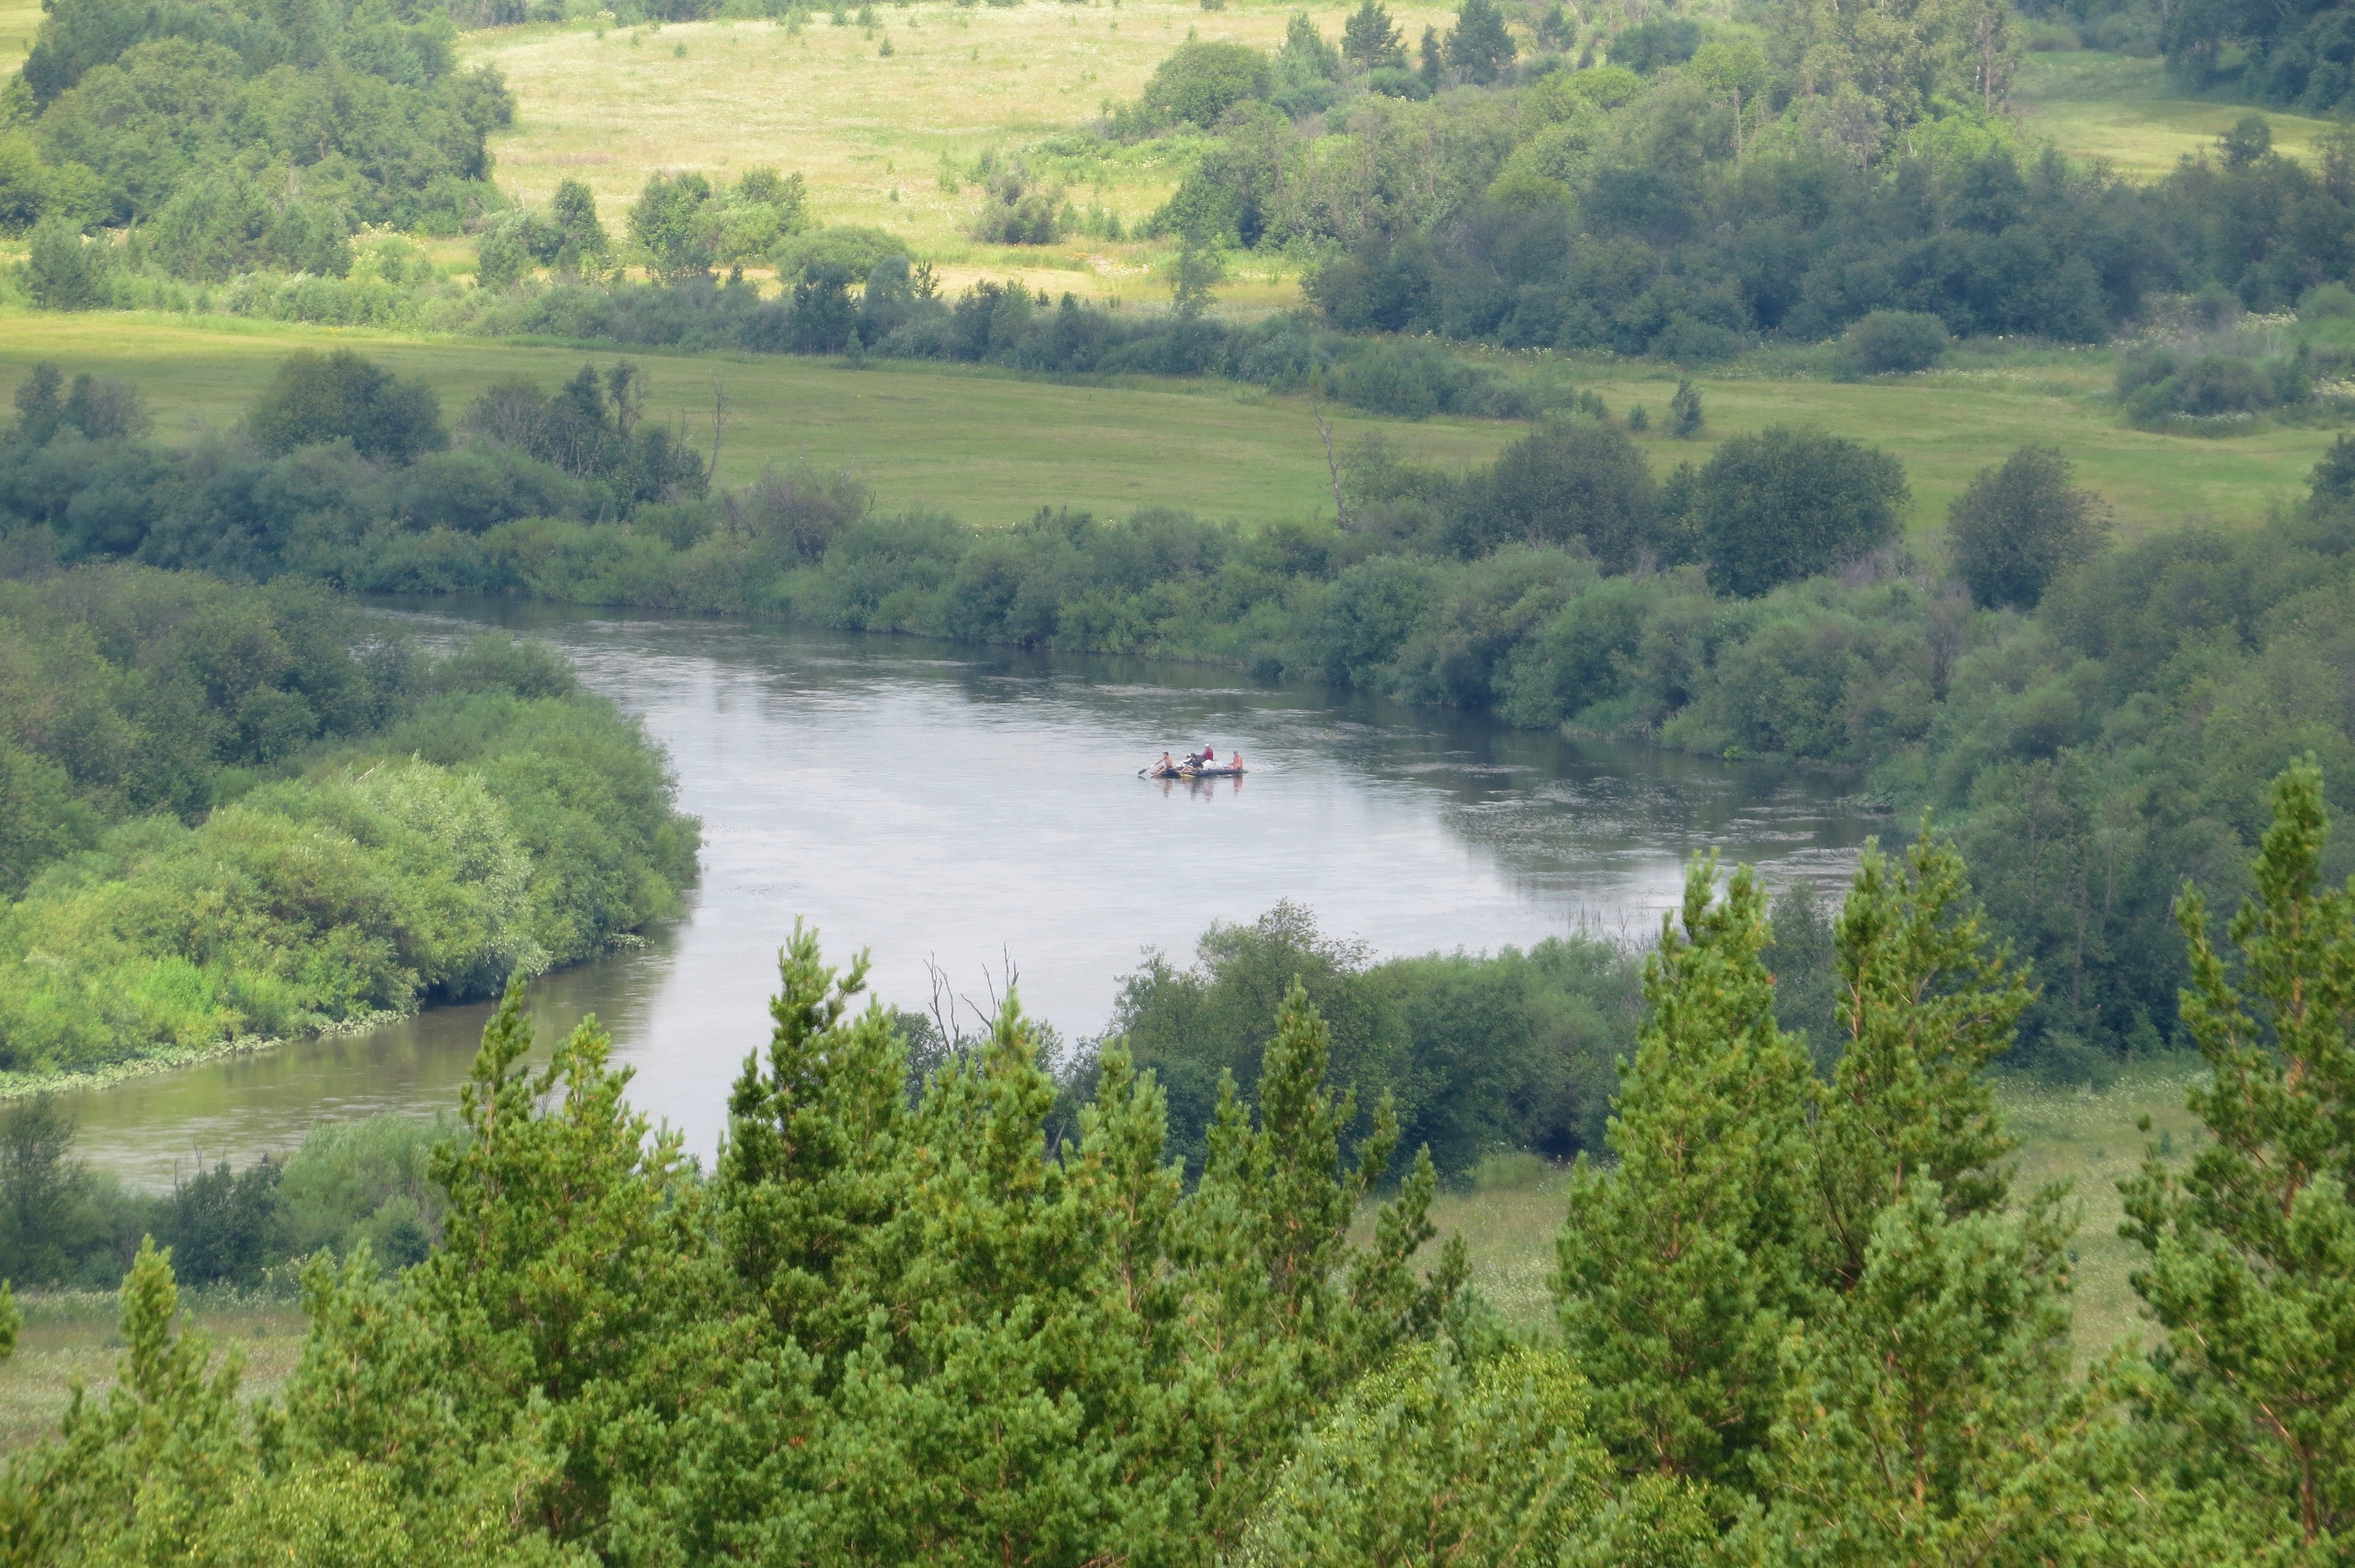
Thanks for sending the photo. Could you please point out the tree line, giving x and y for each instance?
(2091, 720)
(1800, 1317)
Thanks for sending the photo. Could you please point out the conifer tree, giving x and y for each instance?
(1927, 1002)
(811, 1165)
(1932, 1416)
(1682, 1267)
(2252, 1272)
(570, 1263)
(1370, 41)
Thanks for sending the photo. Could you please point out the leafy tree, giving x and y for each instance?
(1787, 504)
(2019, 524)
(315, 399)
(1479, 46)
(585, 244)
(1369, 39)
(1432, 55)
(1568, 481)
(1201, 81)
(1895, 341)
(1657, 42)
(2251, 1247)
(667, 222)
(1681, 1269)
(40, 1187)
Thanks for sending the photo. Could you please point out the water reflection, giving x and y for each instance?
(983, 813)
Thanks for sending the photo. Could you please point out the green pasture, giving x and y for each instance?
(988, 449)
(2077, 1135)
(2114, 107)
(993, 449)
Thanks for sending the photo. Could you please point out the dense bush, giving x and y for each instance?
(347, 1185)
(235, 136)
(1478, 1055)
(223, 822)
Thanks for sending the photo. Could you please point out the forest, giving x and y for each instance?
(1800, 1316)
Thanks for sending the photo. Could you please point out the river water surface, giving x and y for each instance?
(976, 813)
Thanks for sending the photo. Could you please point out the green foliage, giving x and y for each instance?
(1894, 342)
(1684, 410)
(1682, 1267)
(1648, 46)
(2249, 1246)
(1487, 1463)
(63, 272)
(591, 427)
(1197, 84)
(2021, 525)
(1784, 504)
(1370, 41)
(1510, 1052)
(503, 821)
(1565, 483)
(1478, 46)
(247, 135)
(340, 395)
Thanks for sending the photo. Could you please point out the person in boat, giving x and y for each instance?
(1236, 762)
(1163, 769)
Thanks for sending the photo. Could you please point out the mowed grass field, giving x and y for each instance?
(873, 135)
(2114, 107)
(993, 449)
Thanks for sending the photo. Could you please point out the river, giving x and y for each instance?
(976, 813)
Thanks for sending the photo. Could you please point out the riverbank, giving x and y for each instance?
(239, 815)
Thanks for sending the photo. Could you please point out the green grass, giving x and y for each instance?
(2085, 1137)
(19, 21)
(73, 1336)
(989, 449)
(992, 449)
(870, 134)
(2114, 107)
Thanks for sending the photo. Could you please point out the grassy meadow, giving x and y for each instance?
(886, 141)
(988, 448)
(992, 449)
(2114, 107)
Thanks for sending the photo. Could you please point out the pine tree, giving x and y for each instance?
(1932, 1418)
(570, 1266)
(1479, 46)
(2253, 1248)
(1369, 42)
(1681, 1269)
(811, 1165)
(1927, 1002)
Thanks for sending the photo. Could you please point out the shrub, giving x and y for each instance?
(2018, 524)
(1648, 46)
(315, 399)
(1199, 82)
(1479, 46)
(1894, 342)
(1568, 481)
(1784, 504)
(63, 272)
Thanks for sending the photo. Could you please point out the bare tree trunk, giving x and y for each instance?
(1325, 428)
